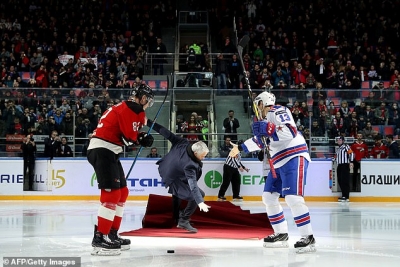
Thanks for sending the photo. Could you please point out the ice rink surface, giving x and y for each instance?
(347, 234)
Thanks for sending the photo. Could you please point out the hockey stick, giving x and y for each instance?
(242, 43)
(148, 132)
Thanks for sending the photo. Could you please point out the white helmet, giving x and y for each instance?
(268, 99)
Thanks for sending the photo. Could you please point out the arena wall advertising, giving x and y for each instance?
(75, 179)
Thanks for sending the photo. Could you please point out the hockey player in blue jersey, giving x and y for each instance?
(290, 158)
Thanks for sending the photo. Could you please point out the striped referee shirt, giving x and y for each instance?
(234, 162)
(344, 154)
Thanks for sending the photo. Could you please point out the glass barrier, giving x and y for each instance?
(320, 116)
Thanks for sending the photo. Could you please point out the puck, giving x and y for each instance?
(170, 251)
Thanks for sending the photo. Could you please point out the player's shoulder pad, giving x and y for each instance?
(135, 107)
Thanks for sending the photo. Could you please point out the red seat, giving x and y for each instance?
(310, 102)
(365, 93)
(331, 93)
(388, 129)
(152, 84)
(26, 75)
(376, 128)
(365, 85)
(163, 84)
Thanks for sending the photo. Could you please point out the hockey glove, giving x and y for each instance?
(145, 140)
(203, 207)
(263, 128)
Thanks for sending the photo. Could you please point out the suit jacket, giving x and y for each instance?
(67, 152)
(394, 150)
(179, 168)
(51, 148)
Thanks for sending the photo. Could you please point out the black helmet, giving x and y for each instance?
(144, 89)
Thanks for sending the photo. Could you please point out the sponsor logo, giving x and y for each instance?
(57, 179)
(11, 178)
(213, 179)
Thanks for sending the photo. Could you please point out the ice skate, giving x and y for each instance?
(103, 246)
(305, 244)
(276, 240)
(184, 224)
(114, 236)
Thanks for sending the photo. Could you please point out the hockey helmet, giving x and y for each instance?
(144, 89)
(268, 99)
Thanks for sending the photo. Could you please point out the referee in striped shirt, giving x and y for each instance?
(344, 159)
(231, 175)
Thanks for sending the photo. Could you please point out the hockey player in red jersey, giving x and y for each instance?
(120, 125)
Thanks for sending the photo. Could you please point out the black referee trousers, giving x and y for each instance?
(343, 175)
(231, 175)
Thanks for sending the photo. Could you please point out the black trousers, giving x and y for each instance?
(343, 174)
(356, 183)
(188, 211)
(29, 165)
(231, 176)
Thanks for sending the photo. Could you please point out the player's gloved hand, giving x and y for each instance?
(203, 207)
(263, 128)
(145, 140)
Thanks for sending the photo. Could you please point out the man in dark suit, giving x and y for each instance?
(52, 145)
(393, 147)
(28, 152)
(180, 169)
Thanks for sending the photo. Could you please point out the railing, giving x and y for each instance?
(321, 144)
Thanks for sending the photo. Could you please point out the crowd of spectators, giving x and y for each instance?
(316, 56)
(300, 50)
(106, 42)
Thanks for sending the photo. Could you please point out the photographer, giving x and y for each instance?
(230, 125)
(267, 86)
(10, 113)
(28, 120)
(28, 148)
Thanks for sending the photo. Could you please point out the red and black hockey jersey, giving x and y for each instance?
(119, 122)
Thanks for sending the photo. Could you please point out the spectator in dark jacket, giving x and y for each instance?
(393, 147)
(64, 150)
(52, 145)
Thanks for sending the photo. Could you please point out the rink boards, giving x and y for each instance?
(75, 179)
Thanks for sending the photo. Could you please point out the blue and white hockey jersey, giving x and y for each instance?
(285, 142)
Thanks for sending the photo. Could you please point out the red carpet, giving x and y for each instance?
(224, 220)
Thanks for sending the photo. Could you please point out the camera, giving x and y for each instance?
(32, 139)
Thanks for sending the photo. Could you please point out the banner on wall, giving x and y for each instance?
(76, 177)
(380, 178)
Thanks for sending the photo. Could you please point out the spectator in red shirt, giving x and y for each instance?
(379, 151)
(299, 75)
(360, 150)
